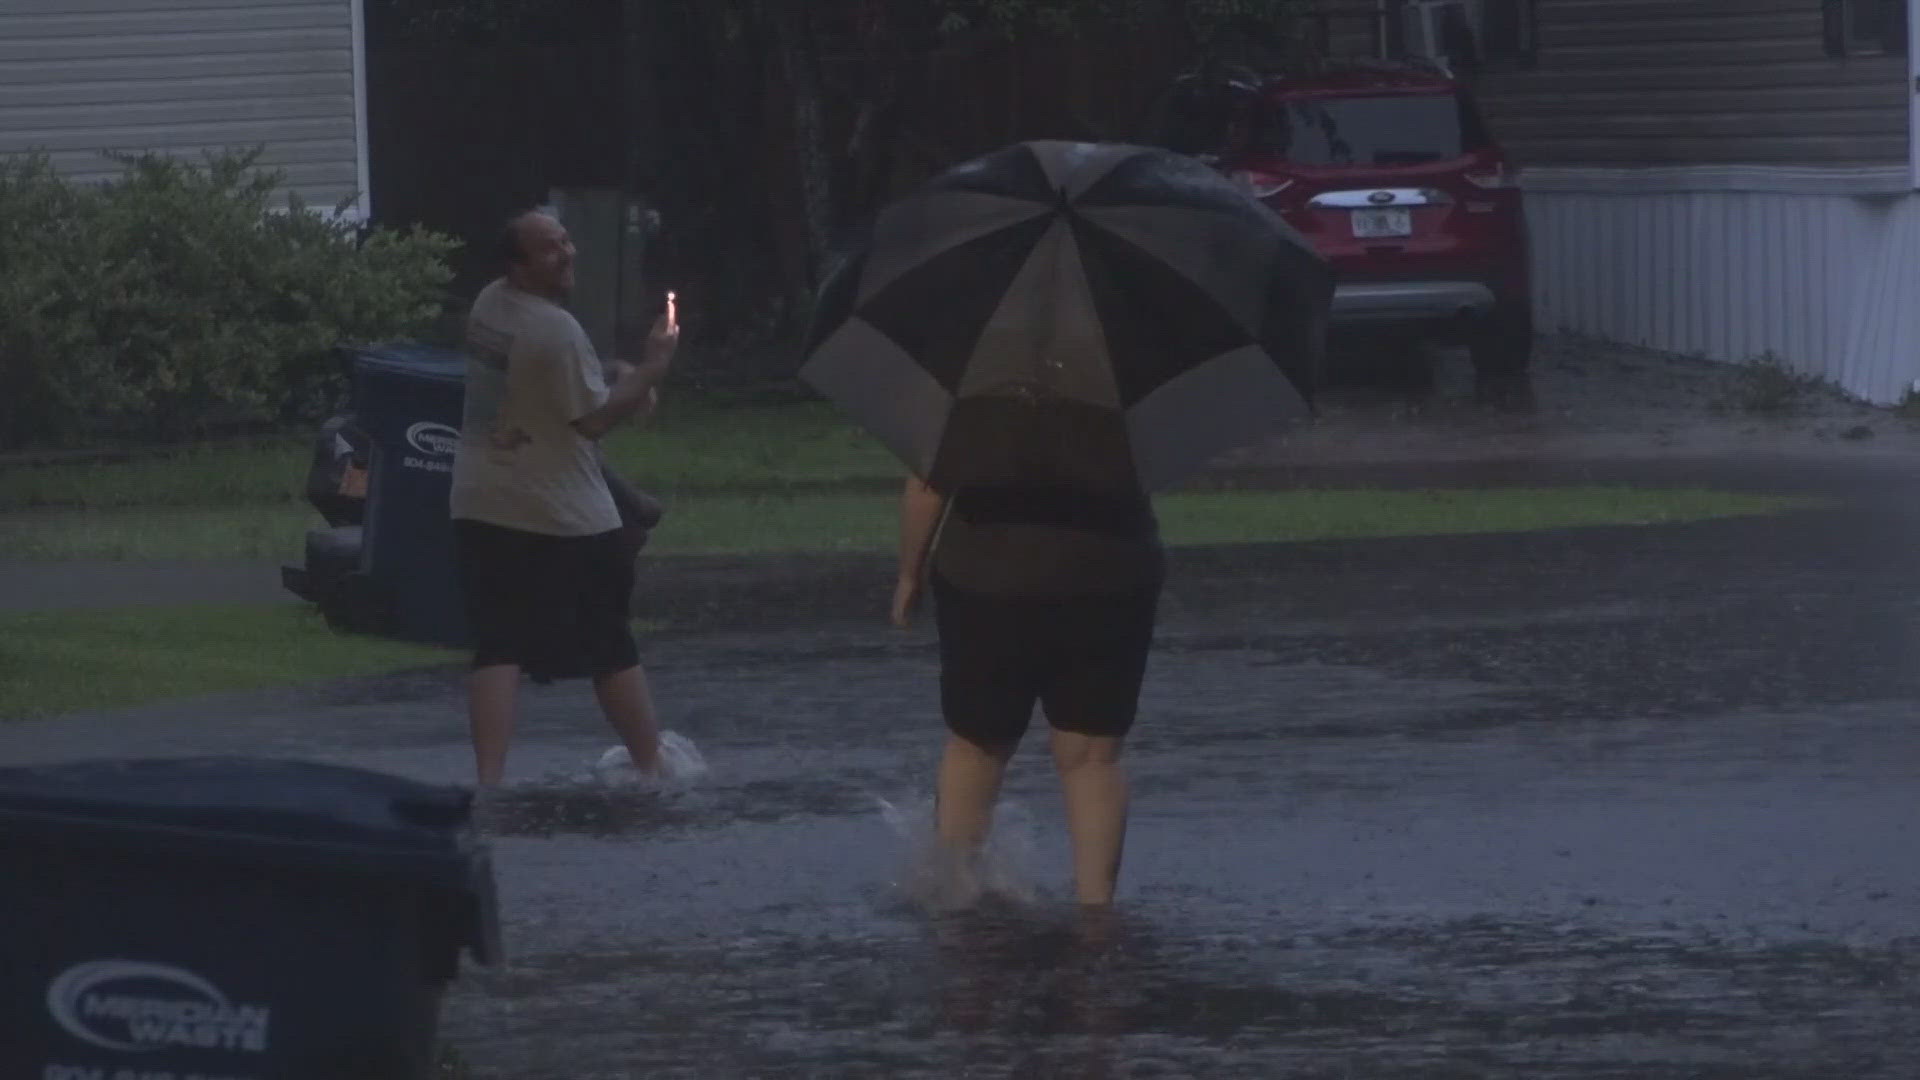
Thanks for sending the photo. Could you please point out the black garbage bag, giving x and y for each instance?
(337, 478)
(639, 511)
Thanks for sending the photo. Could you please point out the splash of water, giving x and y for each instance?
(940, 880)
(681, 763)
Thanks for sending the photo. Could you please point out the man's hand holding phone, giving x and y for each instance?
(664, 340)
(634, 389)
(662, 343)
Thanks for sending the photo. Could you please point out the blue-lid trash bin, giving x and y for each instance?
(408, 399)
(232, 918)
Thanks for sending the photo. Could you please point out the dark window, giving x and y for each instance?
(1866, 27)
(1387, 129)
(1468, 34)
(1510, 30)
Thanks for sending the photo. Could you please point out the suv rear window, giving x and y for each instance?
(1384, 129)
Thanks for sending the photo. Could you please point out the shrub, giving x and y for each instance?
(180, 296)
(1768, 386)
(1909, 406)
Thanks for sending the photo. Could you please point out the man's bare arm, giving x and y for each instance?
(638, 385)
(632, 394)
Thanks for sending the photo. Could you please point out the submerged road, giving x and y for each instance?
(1635, 804)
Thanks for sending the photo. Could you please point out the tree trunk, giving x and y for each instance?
(891, 81)
(800, 63)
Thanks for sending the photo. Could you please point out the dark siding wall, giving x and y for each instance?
(1682, 82)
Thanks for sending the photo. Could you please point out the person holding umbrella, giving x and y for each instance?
(1044, 336)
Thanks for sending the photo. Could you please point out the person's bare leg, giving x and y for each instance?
(968, 784)
(491, 695)
(1095, 786)
(627, 701)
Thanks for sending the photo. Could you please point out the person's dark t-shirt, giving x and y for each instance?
(1031, 540)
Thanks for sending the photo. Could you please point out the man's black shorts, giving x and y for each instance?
(1082, 658)
(555, 605)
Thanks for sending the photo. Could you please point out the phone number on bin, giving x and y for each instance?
(82, 1072)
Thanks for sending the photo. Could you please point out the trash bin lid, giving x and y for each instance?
(412, 361)
(241, 799)
(267, 814)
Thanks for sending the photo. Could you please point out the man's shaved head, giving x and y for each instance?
(538, 253)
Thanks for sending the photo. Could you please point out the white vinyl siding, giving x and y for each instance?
(80, 77)
(1823, 282)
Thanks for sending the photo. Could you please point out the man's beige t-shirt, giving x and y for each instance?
(531, 372)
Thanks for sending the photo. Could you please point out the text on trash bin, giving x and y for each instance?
(131, 1006)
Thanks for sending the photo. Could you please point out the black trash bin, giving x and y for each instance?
(408, 400)
(232, 919)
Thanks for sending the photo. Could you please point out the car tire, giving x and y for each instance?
(1416, 371)
(1318, 347)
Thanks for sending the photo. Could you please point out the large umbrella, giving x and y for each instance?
(1111, 317)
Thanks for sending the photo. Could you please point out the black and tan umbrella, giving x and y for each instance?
(1111, 317)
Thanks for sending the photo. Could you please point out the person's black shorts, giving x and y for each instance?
(554, 605)
(1082, 658)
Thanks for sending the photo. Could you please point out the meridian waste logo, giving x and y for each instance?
(436, 442)
(136, 1007)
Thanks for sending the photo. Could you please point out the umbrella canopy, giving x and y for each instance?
(1111, 317)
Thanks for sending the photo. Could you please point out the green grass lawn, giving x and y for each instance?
(54, 663)
(869, 523)
(744, 524)
(57, 663)
(700, 442)
(738, 477)
(246, 500)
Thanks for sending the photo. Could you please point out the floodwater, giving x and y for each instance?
(1350, 871)
(1635, 805)
(1627, 804)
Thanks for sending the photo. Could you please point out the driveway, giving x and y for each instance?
(1593, 401)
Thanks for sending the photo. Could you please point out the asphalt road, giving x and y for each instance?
(1635, 804)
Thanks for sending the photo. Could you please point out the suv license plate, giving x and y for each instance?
(1374, 224)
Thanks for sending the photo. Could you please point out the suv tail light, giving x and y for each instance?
(1497, 178)
(1260, 185)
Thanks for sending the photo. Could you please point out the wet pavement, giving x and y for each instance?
(1587, 399)
(1634, 804)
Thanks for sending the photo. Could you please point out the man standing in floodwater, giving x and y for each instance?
(545, 572)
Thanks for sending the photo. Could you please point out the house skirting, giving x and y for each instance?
(1819, 268)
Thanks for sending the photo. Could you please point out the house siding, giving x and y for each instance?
(1820, 282)
(79, 78)
(1704, 179)
(1657, 82)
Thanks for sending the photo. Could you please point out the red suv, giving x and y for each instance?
(1388, 170)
